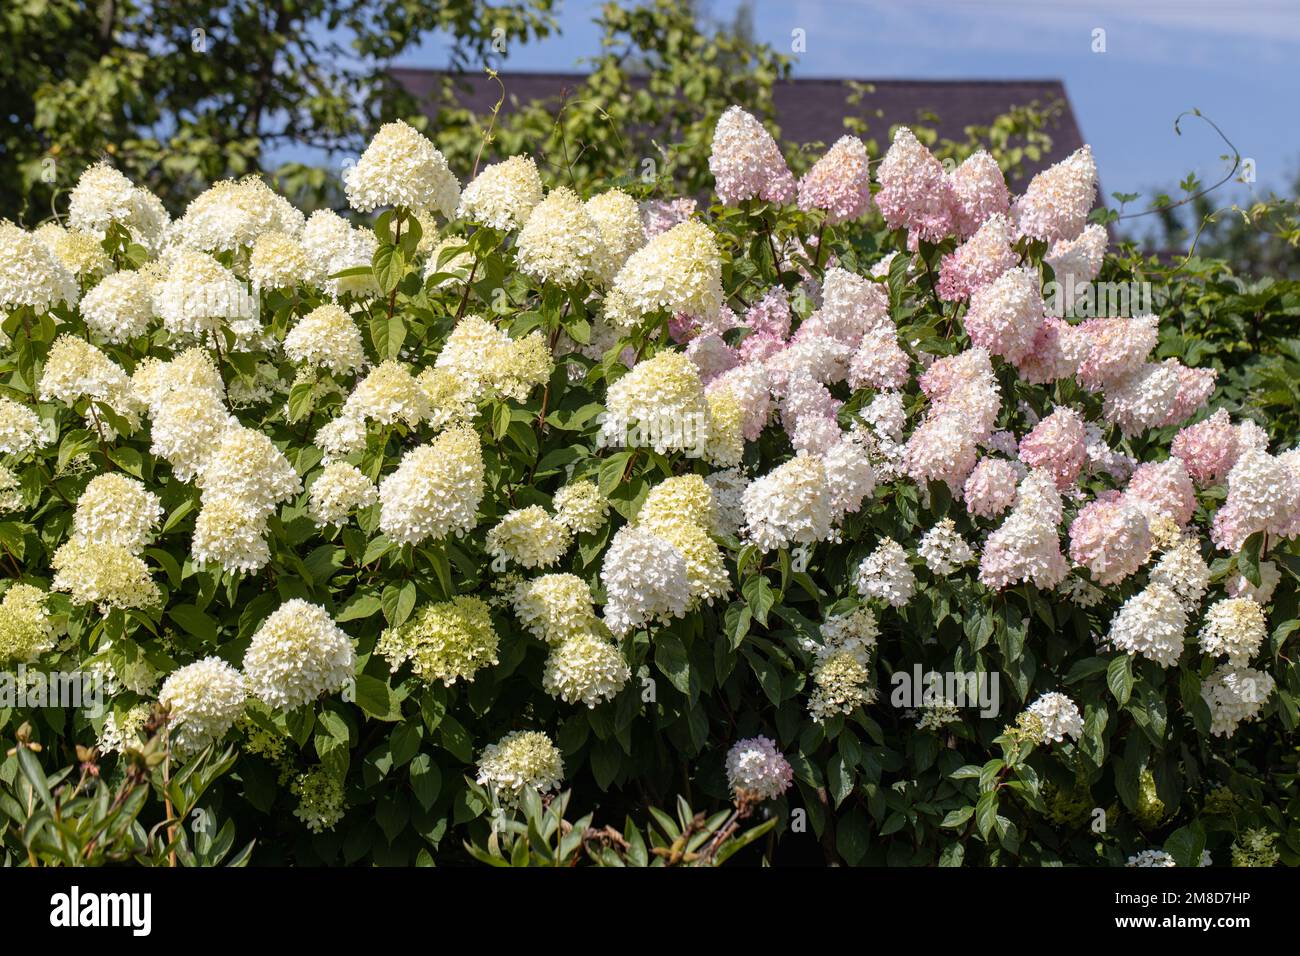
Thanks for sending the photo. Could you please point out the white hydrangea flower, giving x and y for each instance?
(789, 505)
(75, 369)
(678, 271)
(560, 243)
(435, 490)
(528, 536)
(728, 487)
(618, 217)
(244, 465)
(31, 275)
(943, 549)
(503, 195)
(20, 429)
(231, 215)
(1182, 569)
(388, 394)
(115, 509)
(204, 700)
(195, 295)
(120, 306)
(401, 167)
(103, 196)
(106, 575)
(280, 261)
(342, 436)
(1235, 627)
(326, 338)
(186, 427)
(1150, 623)
(1059, 716)
(521, 760)
(580, 506)
(1235, 695)
(585, 668)
(297, 655)
(338, 491)
(226, 534)
(886, 574)
(335, 246)
(555, 607)
(645, 580)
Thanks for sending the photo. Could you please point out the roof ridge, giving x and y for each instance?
(893, 80)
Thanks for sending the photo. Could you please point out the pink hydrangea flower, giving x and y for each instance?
(660, 215)
(748, 384)
(1142, 400)
(964, 403)
(879, 362)
(756, 770)
(1026, 546)
(941, 448)
(914, 191)
(1057, 444)
(1111, 538)
(770, 315)
(851, 306)
(1056, 352)
(1208, 448)
(1005, 316)
(839, 183)
(980, 191)
(978, 261)
(1195, 385)
(1117, 347)
(712, 356)
(1163, 489)
(760, 347)
(746, 162)
(991, 487)
(1076, 262)
(1263, 495)
(1058, 200)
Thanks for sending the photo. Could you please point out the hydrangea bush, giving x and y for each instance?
(824, 506)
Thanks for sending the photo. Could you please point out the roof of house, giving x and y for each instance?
(813, 110)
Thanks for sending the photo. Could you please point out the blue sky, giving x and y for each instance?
(1238, 61)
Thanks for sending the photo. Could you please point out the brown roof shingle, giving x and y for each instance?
(813, 110)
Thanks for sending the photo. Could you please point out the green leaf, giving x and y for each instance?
(606, 758)
(760, 596)
(852, 837)
(193, 621)
(956, 819)
(1186, 844)
(456, 738)
(300, 400)
(672, 661)
(1088, 667)
(389, 265)
(377, 699)
(398, 602)
(426, 780)
(1248, 558)
(360, 607)
(986, 813)
(1119, 678)
(405, 741)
